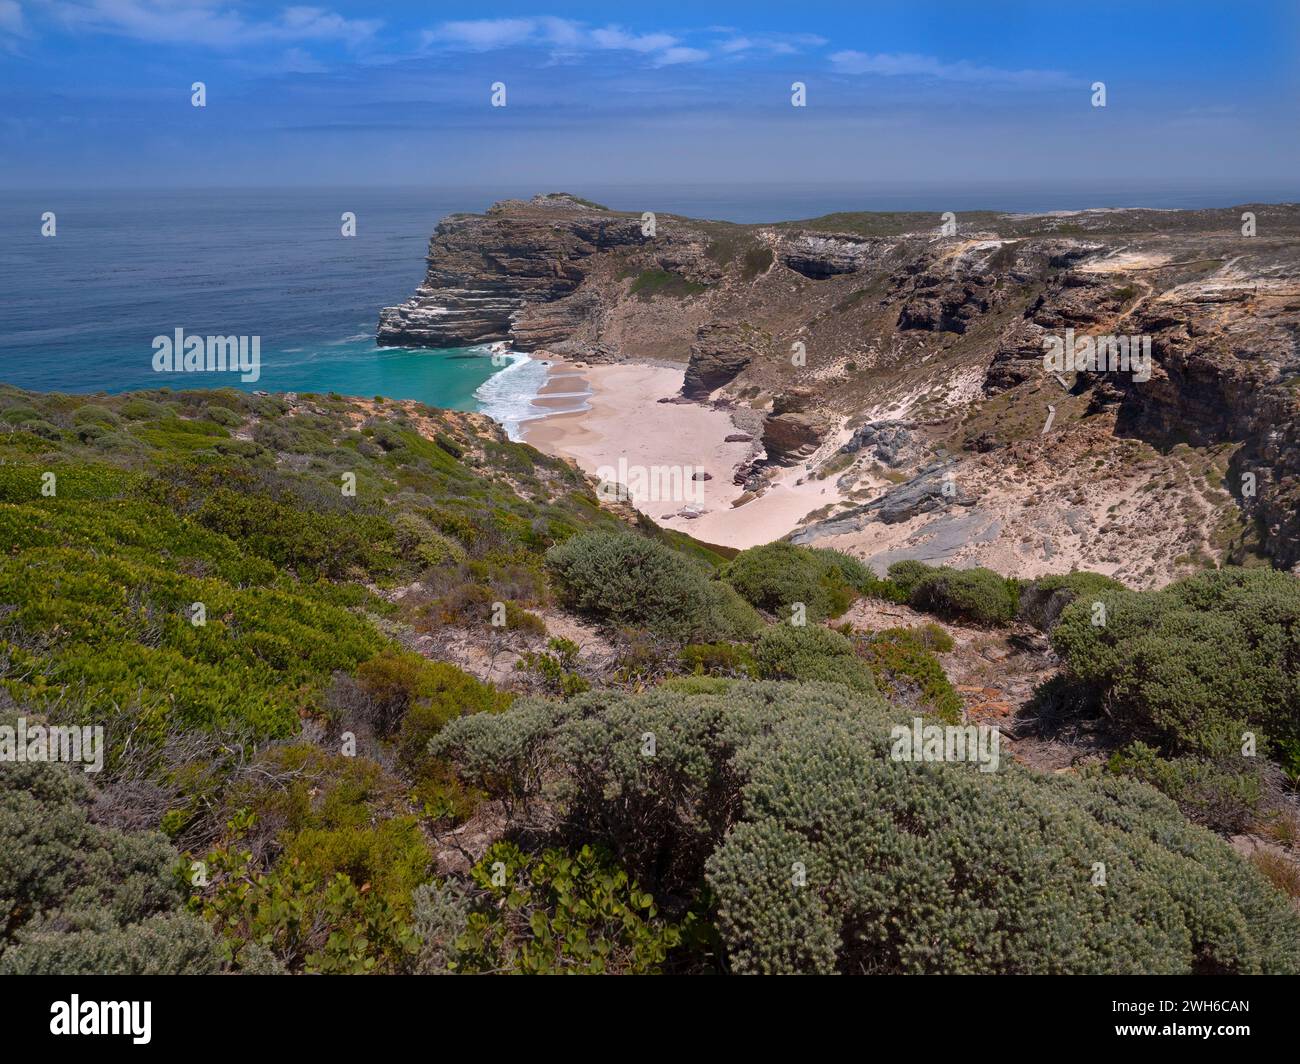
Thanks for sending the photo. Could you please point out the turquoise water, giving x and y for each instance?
(81, 309)
(358, 367)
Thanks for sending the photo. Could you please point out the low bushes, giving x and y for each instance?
(310, 542)
(120, 635)
(979, 596)
(292, 920)
(1042, 600)
(809, 652)
(718, 659)
(80, 899)
(822, 854)
(552, 913)
(1224, 795)
(316, 866)
(630, 581)
(779, 575)
(402, 692)
(1194, 666)
(555, 668)
(419, 540)
(903, 658)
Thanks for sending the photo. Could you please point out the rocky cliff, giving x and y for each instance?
(834, 332)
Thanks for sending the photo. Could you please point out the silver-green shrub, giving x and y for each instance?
(812, 653)
(1196, 664)
(630, 581)
(823, 854)
(80, 899)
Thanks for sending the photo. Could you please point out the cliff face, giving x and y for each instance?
(484, 269)
(514, 273)
(824, 328)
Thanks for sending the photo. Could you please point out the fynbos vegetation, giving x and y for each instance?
(321, 635)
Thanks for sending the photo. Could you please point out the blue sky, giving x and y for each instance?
(97, 92)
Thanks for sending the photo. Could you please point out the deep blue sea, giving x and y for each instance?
(79, 311)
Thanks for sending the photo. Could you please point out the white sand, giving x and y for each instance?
(626, 421)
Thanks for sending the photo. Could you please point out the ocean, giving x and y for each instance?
(79, 310)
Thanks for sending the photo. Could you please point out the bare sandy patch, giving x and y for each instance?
(627, 427)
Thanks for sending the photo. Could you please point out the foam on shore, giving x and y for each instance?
(516, 394)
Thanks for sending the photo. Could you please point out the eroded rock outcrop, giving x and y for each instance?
(946, 304)
(488, 271)
(720, 352)
(821, 255)
(893, 444)
(795, 428)
(932, 490)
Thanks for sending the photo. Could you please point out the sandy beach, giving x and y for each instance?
(625, 429)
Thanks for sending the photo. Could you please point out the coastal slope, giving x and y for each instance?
(896, 362)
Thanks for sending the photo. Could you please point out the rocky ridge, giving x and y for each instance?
(847, 326)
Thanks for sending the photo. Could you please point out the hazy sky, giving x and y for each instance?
(97, 92)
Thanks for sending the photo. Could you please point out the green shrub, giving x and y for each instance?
(555, 667)
(519, 619)
(810, 652)
(824, 854)
(932, 637)
(777, 576)
(902, 658)
(390, 858)
(224, 416)
(179, 436)
(1042, 600)
(1223, 795)
(19, 414)
(291, 920)
(142, 410)
(1195, 665)
(656, 282)
(633, 582)
(24, 483)
(401, 689)
(94, 414)
(45, 430)
(125, 643)
(696, 685)
(907, 575)
(979, 595)
(553, 913)
(723, 614)
(443, 694)
(329, 544)
(718, 659)
(419, 540)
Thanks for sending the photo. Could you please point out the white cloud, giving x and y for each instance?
(613, 37)
(11, 17)
(485, 34)
(208, 22)
(771, 43)
(562, 36)
(736, 44)
(12, 29)
(298, 61)
(673, 56)
(906, 64)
